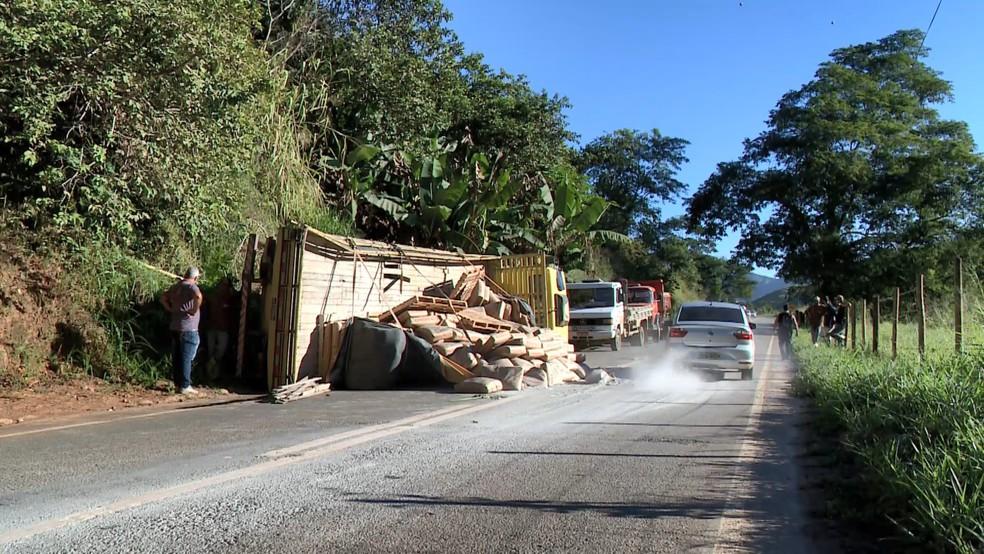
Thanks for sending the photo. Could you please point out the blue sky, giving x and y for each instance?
(708, 71)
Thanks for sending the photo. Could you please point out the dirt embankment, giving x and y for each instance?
(50, 344)
(42, 329)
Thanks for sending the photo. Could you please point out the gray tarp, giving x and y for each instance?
(378, 356)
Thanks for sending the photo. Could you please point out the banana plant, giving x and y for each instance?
(364, 169)
(571, 211)
(453, 196)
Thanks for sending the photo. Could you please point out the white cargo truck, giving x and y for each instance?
(600, 315)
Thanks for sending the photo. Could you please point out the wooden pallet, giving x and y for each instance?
(475, 319)
(428, 303)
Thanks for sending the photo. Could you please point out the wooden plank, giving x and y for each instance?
(339, 329)
(398, 309)
(332, 347)
(313, 391)
(284, 389)
(322, 344)
(453, 372)
(435, 304)
(246, 284)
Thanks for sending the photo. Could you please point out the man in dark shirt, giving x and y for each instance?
(838, 328)
(815, 315)
(785, 325)
(220, 315)
(184, 301)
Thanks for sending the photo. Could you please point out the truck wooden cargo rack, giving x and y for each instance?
(315, 279)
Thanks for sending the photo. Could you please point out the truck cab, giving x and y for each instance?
(642, 295)
(661, 302)
(597, 313)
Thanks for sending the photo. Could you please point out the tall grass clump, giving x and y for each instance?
(915, 428)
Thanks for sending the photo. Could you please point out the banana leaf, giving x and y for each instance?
(590, 213)
(392, 205)
(362, 154)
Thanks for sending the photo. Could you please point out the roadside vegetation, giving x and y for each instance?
(164, 133)
(857, 186)
(908, 436)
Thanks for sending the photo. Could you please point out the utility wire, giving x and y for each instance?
(938, 4)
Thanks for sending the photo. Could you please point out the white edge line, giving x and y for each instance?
(731, 521)
(367, 435)
(123, 417)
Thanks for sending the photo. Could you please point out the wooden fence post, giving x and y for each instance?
(895, 324)
(854, 326)
(875, 317)
(958, 306)
(864, 323)
(921, 320)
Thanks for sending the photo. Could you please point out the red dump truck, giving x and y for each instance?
(652, 293)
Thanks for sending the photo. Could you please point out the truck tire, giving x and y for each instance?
(746, 374)
(617, 341)
(639, 339)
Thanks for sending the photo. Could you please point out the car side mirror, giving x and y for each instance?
(752, 325)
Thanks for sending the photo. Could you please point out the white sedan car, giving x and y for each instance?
(714, 336)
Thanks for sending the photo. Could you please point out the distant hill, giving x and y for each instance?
(766, 286)
(773, 300)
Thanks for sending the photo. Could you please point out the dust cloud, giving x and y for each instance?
(661, 371)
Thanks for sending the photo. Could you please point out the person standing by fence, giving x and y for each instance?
(814, 318)
(786, 325)
(184, 301)
(221, 318)
(828, 318)
(839, 328)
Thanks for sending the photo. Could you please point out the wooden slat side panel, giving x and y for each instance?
(327, 290)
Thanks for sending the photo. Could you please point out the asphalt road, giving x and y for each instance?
(660, 462)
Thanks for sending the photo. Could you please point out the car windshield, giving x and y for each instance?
(640, 296)
(591, 298)
(710, 313)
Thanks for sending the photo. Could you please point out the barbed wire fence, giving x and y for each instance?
(867, 316)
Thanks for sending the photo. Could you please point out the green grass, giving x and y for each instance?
(914, 428)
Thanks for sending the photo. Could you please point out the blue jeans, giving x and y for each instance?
(184, 346)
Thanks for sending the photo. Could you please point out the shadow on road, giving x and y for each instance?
(615, 455)
(610, 509)
(766, 507)
(640, 424)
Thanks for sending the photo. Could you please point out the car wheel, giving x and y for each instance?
(617, 342)
(746, 374)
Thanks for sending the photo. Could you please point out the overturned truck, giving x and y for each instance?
(335, 305)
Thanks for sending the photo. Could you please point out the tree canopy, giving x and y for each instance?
(635, 171)
(857, 183)
(170, 130)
